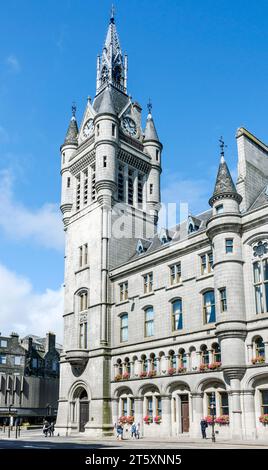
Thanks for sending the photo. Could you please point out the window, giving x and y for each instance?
(224, 403)
(148, 283)
(177, 315)
(83, 335)
(149, 322)
(151, 189)
(113, 130)
(78, 188)
(124, 406)
(98, 130)
(104, 162)
(83, 255)
(3, 343)
(124, 328)
(54, 366)
(159, 406)
(211, 401)
(219, 209)
(223, 299)
(206, 263)
(216, 351)
(149, 406)
(83, 304)
(130, 187)
(260, 277)
(182, 358)
(175, 273)
(259, 347)
(123, 291)
(68, 182)
(209, 307)
(93, 183)
(173, 360)
(229, 245)
(157, 155)
(3, 359)
(264, 402)
(17, 360)
(120, 182)
(85, 187)
(140, 189)
(132, 407)
(204, 355)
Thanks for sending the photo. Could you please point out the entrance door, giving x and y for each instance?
(84, 415)
(184, 413)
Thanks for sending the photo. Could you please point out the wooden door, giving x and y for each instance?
(84, 415)
(184, 413)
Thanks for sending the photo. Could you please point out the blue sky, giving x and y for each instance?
(204, 64)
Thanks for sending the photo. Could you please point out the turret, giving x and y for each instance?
(153, 147)
(67, 149)
(106, 142)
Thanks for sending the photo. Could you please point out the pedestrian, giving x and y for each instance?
(133, 431)
(45, 427)
(137, 430)
(203, 425)
(119, 431)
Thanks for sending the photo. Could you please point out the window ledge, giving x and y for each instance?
(174, 286)
(84, 268)
(204, 276)
(122, 302)
(148, 294)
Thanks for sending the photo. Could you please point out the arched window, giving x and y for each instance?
(127, 365)
(120, 367)
(83, 300)
(182, 358)
(216, 351)
(145, 364)
(153, 362)
(177, 315)
(104, 74)
(149, 321)
(204, 355)
(259, 348)
(209, 306)
(124, 327)
(172, 360)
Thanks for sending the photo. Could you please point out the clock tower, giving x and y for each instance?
(110, 169)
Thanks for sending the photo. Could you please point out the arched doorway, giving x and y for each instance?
(81, 398)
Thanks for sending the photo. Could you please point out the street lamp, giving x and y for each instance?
(213, 412)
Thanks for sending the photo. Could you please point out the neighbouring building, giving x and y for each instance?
(163, 326)
(29, 377)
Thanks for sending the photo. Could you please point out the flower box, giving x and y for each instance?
(118, 377)
(143, 374)
(263, 419)
(209, 419)
(152, 373)
(126, 376)
(203, 367)
(157, 419)
(258, 360)
(126, 420)
(214, 365)
(223, 419)
(181, 370)
(171, 371)
(148, 419)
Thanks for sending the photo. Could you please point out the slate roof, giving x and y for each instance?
(119, 99)
(224, 183)
(106, 104)
(261, 200)
(72, 133)
(150, 130)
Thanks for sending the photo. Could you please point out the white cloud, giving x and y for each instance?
(43, 225)
(27, 312)
(13, 63)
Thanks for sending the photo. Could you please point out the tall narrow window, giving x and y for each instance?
(113, 130)
(177, 315)
(148, 283)
(216, 351)
(78, 190)
(120, 182)
(83, 305)
(260, 274)
(223, 299)
(224, 403)
(130, 187)
(104, 162)
(211, 397)
(151, 189)
(83, 336)
(157, 155)
(209, 307)
(124, 406)
(229, 245)
(175, 273)
(68, 182)
(85, 187)
(132, 406)
(204, 355)
(86, 254)
(150, 406)
(123, 287)
(206, 263)
(98, 130)
(159, 406)
(149, 322)
(264, 402)
(259, 347)
(124, 328)
(80, 256)
(140, 189)
(219, 209)
(93, 183)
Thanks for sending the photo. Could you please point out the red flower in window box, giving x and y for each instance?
(118, 377)
(209, 419)
(258, 360)
(181, 370)
(157, 419)
(123, 419)
(126, 375)
(151, 373)
(171, 371)
(147, 419)
(130, 419)
(263, 419)
(214, 365)
(143, 374)
(223, 419)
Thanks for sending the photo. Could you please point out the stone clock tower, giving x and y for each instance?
(110, 199)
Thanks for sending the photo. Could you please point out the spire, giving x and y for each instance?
(72, 132)
(150, 130)
(106, 105)
(111, 66)
(224, 186)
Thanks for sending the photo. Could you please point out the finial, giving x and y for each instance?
(89, 99)
(112, 14)
(222, 147)
(150, 106)
(74, 109)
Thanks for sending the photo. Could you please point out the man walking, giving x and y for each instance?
(203, 425)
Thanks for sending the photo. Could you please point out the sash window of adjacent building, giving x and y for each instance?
(148, 283)
(206, 263)
(260, 275)
(124, 328)
(3, 359)
(209, 307)
(177, 315)
(123, 291)
(224, 403)
(149, 322)
(175, 273)
(264, 402)
(223, 299)
(83, 335)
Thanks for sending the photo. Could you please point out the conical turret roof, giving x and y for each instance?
(224, 186)
(72, 133)
(150, 130)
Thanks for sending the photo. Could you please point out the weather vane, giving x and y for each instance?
(150, 106)
(222, 146)
(73, 108)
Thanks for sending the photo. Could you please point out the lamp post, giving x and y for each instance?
(213, 411)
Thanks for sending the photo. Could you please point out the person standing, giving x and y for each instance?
(133, 431)
(203, 425)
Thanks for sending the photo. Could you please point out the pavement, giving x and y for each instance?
(34, 439)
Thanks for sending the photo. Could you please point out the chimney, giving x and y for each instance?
(50, 342)
(30, 344)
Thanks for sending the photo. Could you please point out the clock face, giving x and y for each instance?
(129, 125)
(88, 128)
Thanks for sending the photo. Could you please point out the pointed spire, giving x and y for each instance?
(107, 105)
(224, 186)
(72, 132)
(150, 132)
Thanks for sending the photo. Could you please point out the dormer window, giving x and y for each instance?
(193, 224)
(164, 236)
